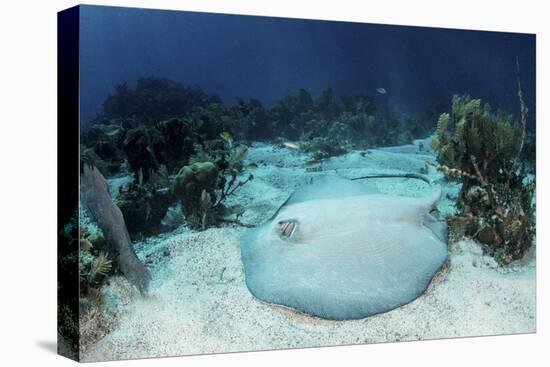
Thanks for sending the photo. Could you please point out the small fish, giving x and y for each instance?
(381, 91)
(227, 138)
(291, 145)
(313, 166)
(112, 129)
(252, 165)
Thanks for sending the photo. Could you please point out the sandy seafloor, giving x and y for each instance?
(199, 303)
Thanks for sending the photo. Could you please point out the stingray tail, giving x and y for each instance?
(434, 197)
(416, 176)
(433, 220)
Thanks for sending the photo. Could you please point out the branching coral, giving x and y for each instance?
(482, 149)
(94, 266)
(96, 319)
(83, 270)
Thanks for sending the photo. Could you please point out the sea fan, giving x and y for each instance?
(238, 155)
(101, 266)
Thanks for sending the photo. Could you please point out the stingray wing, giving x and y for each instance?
(347, 257)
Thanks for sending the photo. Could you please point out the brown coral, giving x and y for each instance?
(482, 150)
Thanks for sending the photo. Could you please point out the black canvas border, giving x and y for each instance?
(68, 55)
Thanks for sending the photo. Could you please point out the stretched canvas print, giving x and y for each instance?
(238, 183)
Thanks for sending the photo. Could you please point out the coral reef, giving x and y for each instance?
(161, 122)
(85, 266)
(252, 121)
(210, 120)
(162, 125)
(108, 144)
(291, 113)
(177, 143)
(323, 147)
(153, 100)
(331, 125)
(482, 149)
(101, 145)
(203, 186)
(94, 266)
(141, 146)
(144, 204)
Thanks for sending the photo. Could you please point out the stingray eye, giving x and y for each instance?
(287, 227)
(435, 212)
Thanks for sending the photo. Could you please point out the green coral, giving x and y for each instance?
(482, 149)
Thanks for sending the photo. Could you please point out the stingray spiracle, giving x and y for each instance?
(286, 227)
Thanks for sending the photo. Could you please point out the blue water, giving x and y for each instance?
(267, 58)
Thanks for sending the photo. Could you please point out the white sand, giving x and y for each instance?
(199, 302)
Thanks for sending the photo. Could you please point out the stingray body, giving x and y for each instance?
(338, 249)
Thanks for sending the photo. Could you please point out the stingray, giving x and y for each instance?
(339, 249)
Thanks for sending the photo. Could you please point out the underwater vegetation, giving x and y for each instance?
(213, 171)
(483, 150)
(183, 146)
(101, 146)
(147, 148)
(160, 122)
(166, 135)
(152, 100)
(86, 267)
(195, 186)
(145, 203)
(95, 267)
